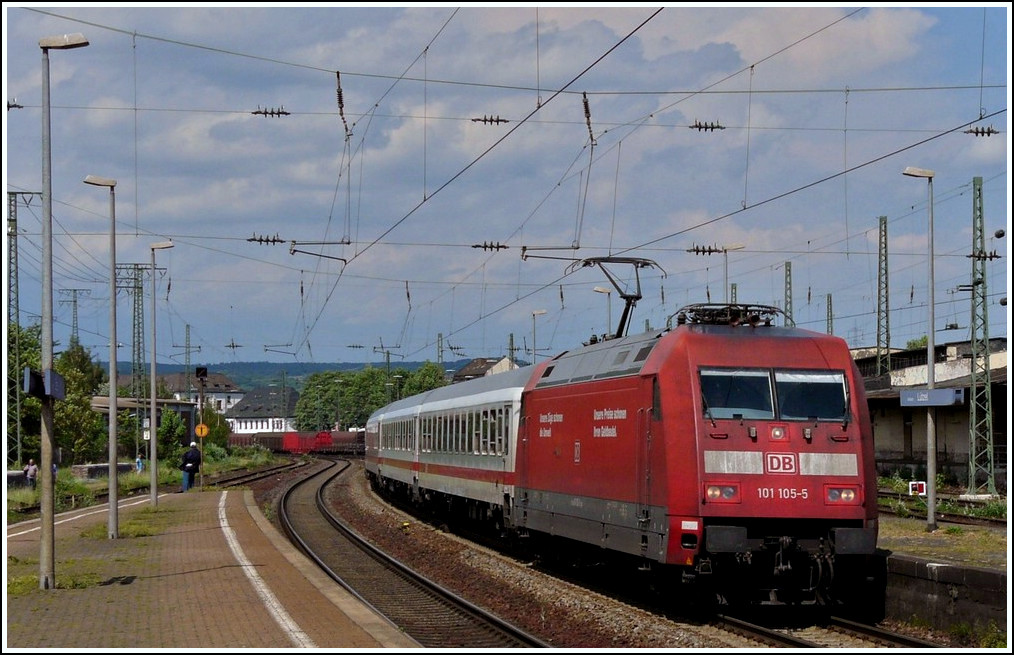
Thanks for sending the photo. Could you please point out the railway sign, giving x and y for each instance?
(932, 397)
(201, 430)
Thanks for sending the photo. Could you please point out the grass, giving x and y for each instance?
(971, 545)
(72, 492)
(73, 574)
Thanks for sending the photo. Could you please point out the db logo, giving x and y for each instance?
(780, 463)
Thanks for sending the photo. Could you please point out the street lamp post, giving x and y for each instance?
(609, 307)
(931, 428)
(47, 566)
(153, 417)
(114, 528)
(537, 312)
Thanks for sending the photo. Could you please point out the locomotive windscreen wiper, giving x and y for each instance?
(707, 411)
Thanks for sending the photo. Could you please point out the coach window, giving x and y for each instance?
(489, 431)
(503, 430)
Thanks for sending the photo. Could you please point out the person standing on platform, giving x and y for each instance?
(31, 471)
(140, 464)
(190, 466)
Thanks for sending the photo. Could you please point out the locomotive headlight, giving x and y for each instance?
(778, 432)
(722, 493)
(841, 495)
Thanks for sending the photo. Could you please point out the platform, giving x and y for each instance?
(200, 570)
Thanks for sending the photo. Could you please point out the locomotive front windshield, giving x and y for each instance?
(766, 394)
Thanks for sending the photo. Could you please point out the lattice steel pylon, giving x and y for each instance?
(138, 389)
(14, 343)
(980, 411)
(74, 335)
(14, 390)
(830, 316)
(883, 305)
(189, 387)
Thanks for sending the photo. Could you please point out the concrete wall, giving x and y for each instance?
(944, 595)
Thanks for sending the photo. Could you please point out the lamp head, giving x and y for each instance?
(162, 245)
(912, 171)
(63, 41)
(95, 180)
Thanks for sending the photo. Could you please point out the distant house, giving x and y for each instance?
(483, 366)
(264, 409)
(219, 390)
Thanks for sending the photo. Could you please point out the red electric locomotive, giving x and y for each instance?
(724, 450)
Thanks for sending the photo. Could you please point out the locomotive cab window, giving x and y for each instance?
(794, 396)
(737, 393)
(811, 395)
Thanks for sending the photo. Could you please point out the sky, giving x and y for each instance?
(371, 183)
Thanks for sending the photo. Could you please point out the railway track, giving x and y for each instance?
(835, 633)
(915, 510)
(813, 631)
(427, 612)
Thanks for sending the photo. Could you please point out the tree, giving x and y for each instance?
(916, 344)
(362, 394)
(318, 405)
(218, 427)
(24, 349)
(80, 432)
(426, 377)
(172, 436)
(349, 398)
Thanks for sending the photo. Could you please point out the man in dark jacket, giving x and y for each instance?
(190, 466)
